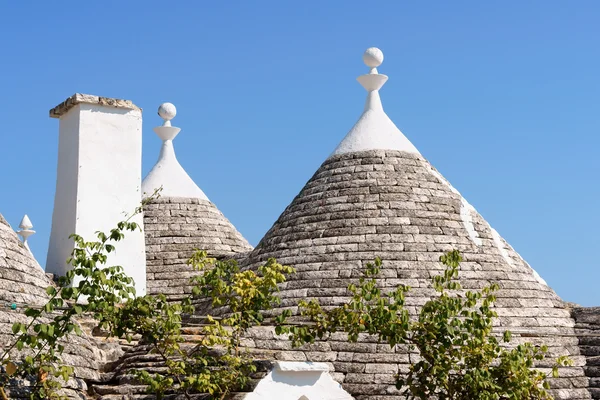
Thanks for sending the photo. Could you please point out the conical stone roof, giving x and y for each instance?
(180, 221)
(377, 196)
(23, 284)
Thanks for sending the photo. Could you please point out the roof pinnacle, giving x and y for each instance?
(26, 230)
(374, 130)
(167, 112)
(25, 223)
(373, 57)
(167, 173)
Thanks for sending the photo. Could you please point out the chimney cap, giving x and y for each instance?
(79, 98)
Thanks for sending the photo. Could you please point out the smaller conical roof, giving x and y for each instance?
(180, 221)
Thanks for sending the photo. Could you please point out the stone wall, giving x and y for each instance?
(175, 228)
(587, 329)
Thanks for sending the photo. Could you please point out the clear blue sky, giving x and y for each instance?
(502, 97)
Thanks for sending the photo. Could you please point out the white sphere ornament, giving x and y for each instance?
(373, 57)
(167, 111)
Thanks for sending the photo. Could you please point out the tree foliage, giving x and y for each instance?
(457, 357)
(217, 364)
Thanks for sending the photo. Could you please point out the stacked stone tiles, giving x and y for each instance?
(394, 205)
(23, 283)
(175, 228)
(587, 327)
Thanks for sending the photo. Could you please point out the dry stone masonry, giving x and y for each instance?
(587, 328)
(176, 228)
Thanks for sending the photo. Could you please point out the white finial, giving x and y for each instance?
(373, 81)
(167, 112)
(26, 230)
(374, 130)
(167, 173)
(373, 57)
(25, 223)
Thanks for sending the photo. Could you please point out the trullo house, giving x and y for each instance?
(375, 195)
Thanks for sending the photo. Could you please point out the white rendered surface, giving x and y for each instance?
(298, 366)
(25, 223)
(167, 173)
(501, 247)
(297, 380)
(167, 111)
(373, 57)
(25, 232)
(98, 184)
(374, 129)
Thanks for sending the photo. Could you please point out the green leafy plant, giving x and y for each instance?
(89, 287)
(218, 363)
(459, 357)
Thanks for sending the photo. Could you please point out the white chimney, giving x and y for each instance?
(98, 181)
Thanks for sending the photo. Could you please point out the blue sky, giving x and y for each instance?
(503, 98)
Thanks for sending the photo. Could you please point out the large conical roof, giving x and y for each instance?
(376, 195)
(180, 221)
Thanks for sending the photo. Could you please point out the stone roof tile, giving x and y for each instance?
(175, 228)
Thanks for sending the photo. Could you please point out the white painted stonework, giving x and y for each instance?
(374, 129)
(98, 183)
(25, 232)
(466, 210)
(167, 173)
(502, 245)
(298, 380)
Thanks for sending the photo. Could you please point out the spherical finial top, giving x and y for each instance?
(167, 111)
(373, 57)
